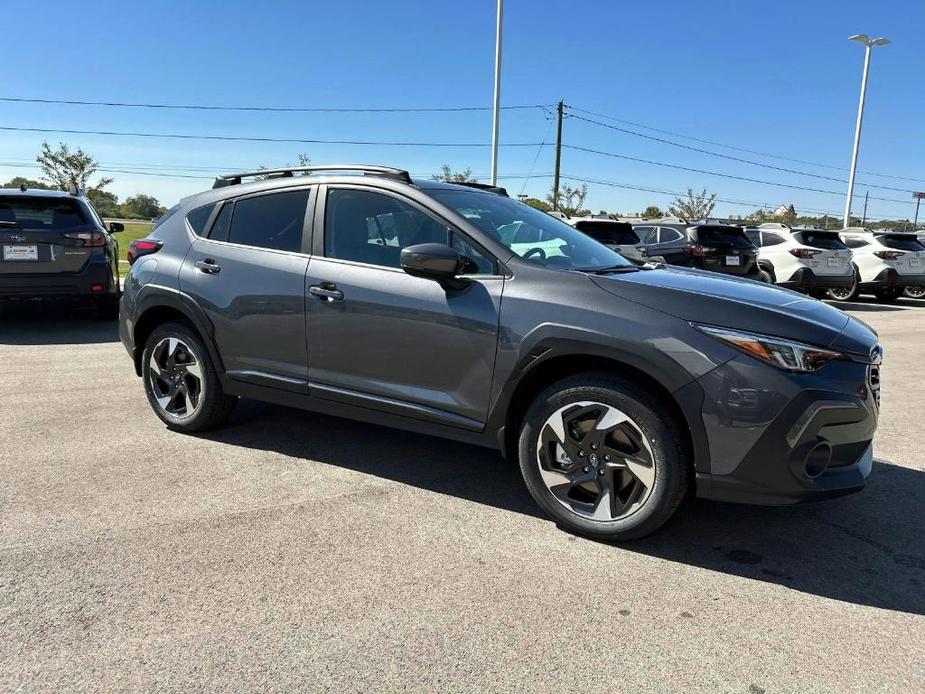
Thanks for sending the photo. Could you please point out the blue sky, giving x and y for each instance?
(776, 77)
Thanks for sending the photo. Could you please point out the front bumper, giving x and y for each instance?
(79, 285)
(779, 438)
(806, 279)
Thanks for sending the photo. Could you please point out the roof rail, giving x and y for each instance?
(288, 171)
(483, 186)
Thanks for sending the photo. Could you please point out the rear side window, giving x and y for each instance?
(772, 239)
(48, 214)
(723, 237)
(820, 239)
(855, 243)
(199, 217)
(901, 243)
(667, 235)
(645, 234)
(270, 221)
(609, 232)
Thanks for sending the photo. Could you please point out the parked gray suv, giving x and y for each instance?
(453, 311)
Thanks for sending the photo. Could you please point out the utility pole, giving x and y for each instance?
(497, 105)
(560, 111)
(864, 220)
(918, 198)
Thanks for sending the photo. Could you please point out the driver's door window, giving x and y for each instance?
(373, 228)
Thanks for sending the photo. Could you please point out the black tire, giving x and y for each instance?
(851, 295)
(672, 471)
(888, 296)
(915, 292)
(214, 408)
(764, 276)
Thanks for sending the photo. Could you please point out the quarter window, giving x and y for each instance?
(667, 235)
(645, 234)
(197, 218)
(855, 243)
(270, 221)
(773, 239)
(222, 223)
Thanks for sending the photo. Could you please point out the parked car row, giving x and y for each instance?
(620, 388)
(838, 265)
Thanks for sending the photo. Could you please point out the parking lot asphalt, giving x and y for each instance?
(298, 551)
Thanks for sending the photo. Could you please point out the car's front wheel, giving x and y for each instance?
(600, 456)
(915, 292)
(180, 380)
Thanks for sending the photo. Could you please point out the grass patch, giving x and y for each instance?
(133, 230)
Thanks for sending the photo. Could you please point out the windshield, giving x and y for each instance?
(531, 234)
(35, 213)
(615, 233)
(723, 237)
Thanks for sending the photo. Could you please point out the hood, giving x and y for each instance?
(714, 299)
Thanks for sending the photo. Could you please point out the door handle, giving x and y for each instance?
(326, 291)
(208, 266)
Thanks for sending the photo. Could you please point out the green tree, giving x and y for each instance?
(141, 205)
(695, 206)
(569, 201)
(652, 212)
(538, 204)
(65, 169)
(20, 181)
(106, 203)
(447, 174)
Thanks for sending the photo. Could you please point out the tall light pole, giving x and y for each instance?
(496, 111)
(870, 43)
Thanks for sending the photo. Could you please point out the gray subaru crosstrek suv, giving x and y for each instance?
(451, 310)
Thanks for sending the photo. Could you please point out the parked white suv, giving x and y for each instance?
(885, 264)
(805, 259)
(917, 291)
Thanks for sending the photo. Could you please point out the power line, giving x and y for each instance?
(742, 149)
(722, 175)
(660, 191)
(274, 109)
(732, 158)
(237, 138)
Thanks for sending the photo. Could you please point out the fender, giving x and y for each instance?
(153, 296)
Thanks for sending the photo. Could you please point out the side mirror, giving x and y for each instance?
(115, 227)
(433, 261)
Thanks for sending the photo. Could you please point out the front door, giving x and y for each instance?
(382, 339)
(248, 275)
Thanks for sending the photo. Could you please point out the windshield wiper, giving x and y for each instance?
(608, 270)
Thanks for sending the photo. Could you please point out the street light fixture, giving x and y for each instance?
(869, 43)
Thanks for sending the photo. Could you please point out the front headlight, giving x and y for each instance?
(784, 354)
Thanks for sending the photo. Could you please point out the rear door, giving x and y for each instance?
(726, 249)
(832, 256)
(912, 260)
(248, 275)
(46, 236)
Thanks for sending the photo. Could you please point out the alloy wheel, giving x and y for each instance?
(916, 292)
(595, 460)
(175, 376)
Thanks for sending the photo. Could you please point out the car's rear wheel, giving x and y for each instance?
(887, 295)
(180, 380)
(764, 276)
(599, 455)
(916, 292)
(849, 293)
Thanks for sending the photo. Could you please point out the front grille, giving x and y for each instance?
(873, 381)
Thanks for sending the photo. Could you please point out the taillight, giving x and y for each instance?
(889, 255)
(693, 249)
(88, 239)
(140, 247)
(805, 253)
